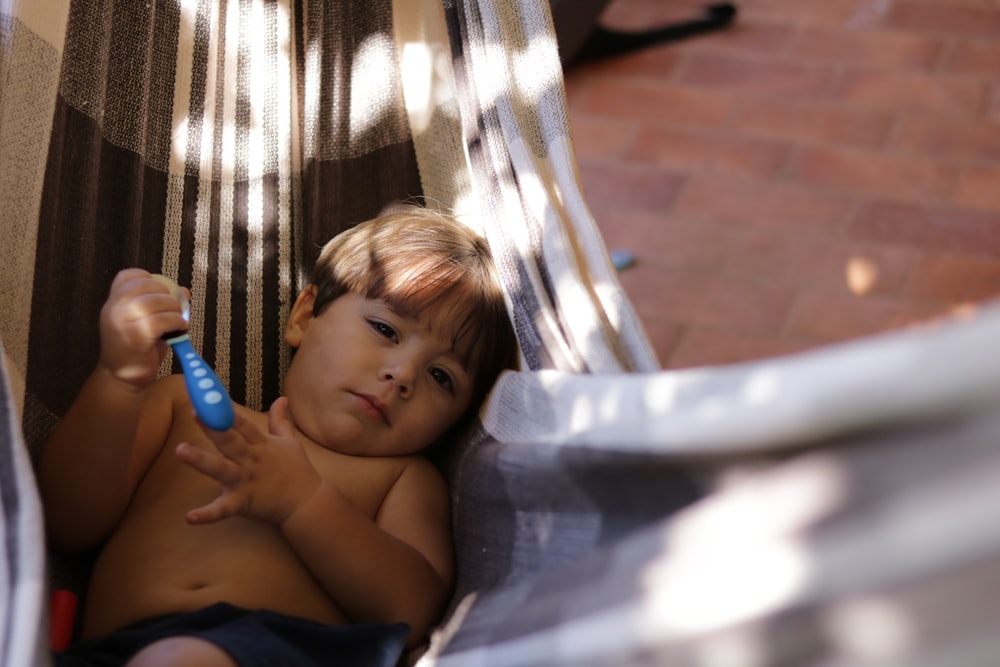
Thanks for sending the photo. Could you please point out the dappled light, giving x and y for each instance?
(869, 628)
(862, 274)
(697, 586)
(370, 79)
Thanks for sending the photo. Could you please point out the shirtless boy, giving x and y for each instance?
(321, 509)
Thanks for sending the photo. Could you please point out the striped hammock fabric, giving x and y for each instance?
(604, 513)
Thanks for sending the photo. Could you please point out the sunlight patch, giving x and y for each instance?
(370, 77)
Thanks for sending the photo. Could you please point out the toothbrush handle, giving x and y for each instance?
(209, 396)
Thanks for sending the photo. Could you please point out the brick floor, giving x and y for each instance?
(821, 171)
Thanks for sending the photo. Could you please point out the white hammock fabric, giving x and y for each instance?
(220, 142)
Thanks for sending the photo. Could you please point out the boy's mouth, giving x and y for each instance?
(372, 406)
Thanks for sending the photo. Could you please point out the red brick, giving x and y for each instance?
(655, 62)
(825, 13)
(663, 337)
(871, 48)
(945, 17)
(950, 138)
(782, 205)
(955, 279)
(979, 187)
(975, 57)
(658, 240)
(932, 228)
(831, 317)
(661, 295)
(742, 75)
(629, 187)
(745, 306)
(600, 139)
(708, 151)
(924, 93)
(646, 14)
(710, 347)
(745, 38)
(899, 176)
(993, 107)
(811, 122)
(654, 103)
(806, 262)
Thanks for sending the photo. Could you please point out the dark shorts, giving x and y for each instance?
(252, 638)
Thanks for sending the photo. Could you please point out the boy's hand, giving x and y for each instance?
(138, 312)
(264, 476)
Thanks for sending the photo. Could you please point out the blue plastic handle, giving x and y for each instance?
(210, 398)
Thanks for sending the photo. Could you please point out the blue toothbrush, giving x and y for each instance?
(208, 394)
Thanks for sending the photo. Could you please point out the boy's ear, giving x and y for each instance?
(300, 317)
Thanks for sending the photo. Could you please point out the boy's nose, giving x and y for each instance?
(401, 373)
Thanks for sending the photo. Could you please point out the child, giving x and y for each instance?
(319, 512)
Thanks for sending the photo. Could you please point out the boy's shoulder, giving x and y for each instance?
(371, 482)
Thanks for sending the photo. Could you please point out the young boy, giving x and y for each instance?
(260, 544)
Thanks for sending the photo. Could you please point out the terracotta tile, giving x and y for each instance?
(923, 93)
(871, 48)
(767, 203)
(745, 306)
(980, 57)
(904, 177)
(946, 17)
(812, 122)
(932, 228)
(664, 241)
(710, 347)
(979, 187)
(955, 279)
(797, 12)
(742, 75)
(663, 295)
(697, 151)
(938, 137)
(838, 153)
(657, 62)
(746, 37)
(655, 103)
(600, 139)
(645, 14)
(809, 262)
(629, 187)
(827, 316)
(663, 337)
(963, 3)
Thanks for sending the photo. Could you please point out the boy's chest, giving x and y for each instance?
(364, 481)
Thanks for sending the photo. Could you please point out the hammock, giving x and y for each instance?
(816, 509)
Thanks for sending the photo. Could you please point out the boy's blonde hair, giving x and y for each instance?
(418, 261)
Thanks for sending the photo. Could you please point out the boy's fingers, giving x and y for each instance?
(278, 420)
(221, 508)
(232, 443)
(247, 429)
(210, 464)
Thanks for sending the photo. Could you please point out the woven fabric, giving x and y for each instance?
(223, 141)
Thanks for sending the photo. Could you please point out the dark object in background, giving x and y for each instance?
(582, 38)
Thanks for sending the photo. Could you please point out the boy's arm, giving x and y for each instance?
(95, 458)
(399, 568)
(91, 464)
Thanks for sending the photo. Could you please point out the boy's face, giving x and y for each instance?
(366, 381)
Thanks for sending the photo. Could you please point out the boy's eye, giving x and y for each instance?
(443, 379)
(383, 329)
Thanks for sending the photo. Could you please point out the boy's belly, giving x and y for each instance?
(143, 574)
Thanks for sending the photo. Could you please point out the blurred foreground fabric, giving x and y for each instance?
(832, 508)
